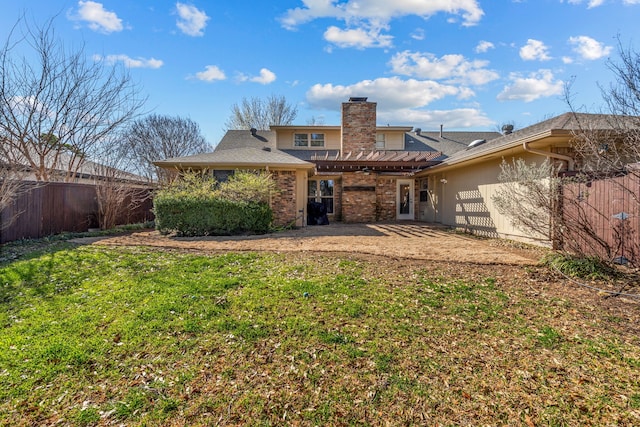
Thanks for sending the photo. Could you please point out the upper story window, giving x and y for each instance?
(380, 141)
(308, 140)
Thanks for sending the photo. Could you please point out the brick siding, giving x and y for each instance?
(358, 126)
(283, 203)
(386, 199)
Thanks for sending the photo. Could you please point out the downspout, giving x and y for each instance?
(556, 214)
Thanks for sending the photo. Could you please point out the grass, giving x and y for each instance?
(134, 336)
(580, 267)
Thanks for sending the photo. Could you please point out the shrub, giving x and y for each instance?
(197, 205)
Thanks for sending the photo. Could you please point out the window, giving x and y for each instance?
(321, 191)
(317, 139)
(380, 141)
(303, 139)
(424, 190)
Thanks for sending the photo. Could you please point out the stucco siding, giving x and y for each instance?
(465, 200)
(331, 139)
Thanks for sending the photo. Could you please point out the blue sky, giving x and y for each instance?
(466, 64)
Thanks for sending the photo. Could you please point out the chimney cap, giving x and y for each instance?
(358, 99)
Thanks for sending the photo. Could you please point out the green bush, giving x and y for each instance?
(197, 206)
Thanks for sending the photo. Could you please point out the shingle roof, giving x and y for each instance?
(245, 139)
(241, 148)
(564, 124)
(448, 144)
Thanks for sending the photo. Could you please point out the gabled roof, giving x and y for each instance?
(565, 125)
(240, 148)
(233, 139)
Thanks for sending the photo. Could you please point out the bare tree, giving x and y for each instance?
(157, 137)
(117, 191)
(528, 196)
(57, 106)
(261, 113)
(607, 149)
(11, 186)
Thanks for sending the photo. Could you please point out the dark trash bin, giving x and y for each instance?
(316, 214)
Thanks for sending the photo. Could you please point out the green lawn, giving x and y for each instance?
(134, 336)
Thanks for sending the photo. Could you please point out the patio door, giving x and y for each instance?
(405, 200)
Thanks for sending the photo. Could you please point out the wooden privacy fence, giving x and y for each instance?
(602, 218)
(56, 207)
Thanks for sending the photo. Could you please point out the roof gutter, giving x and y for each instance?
(569, 160)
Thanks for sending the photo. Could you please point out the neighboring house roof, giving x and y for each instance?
(82, 169)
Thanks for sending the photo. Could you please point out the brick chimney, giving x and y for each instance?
(358, 125)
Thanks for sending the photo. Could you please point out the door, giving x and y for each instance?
(404, 200)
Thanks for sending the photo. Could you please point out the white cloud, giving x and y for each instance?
(537, 85)
(381, 11)
(359, 38)
(366, 19)
(534, 50)
(484, 46)
(432, 119)
(191, 21)
(211, 73)
(97, 18)
(418, 34)
(266, 76)
(396, 92)
(589, 48)
(130, 62)
(402, 102)
(596, 3)
(452, 68)
(591, 3)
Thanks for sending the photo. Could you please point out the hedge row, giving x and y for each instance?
(189, 216)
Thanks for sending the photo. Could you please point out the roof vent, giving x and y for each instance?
(358, 99)
(417, 131)
(476, 143)
(266, 148)
(507, 129)
(253, 131)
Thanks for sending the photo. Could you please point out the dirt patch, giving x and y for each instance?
(400, 241)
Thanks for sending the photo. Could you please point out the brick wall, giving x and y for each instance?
(386, 199)
(283, 202)
(359, 197)
(358, 126)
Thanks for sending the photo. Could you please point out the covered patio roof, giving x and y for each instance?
(382, 161)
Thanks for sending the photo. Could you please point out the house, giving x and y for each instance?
(359, 171)
(362, 172)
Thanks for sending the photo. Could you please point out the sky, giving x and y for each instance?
(463, 64)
